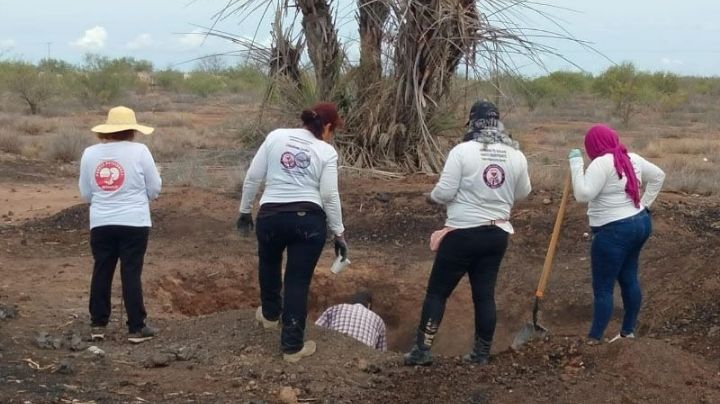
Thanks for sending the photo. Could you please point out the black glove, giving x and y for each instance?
(341, 247)
(245, 224)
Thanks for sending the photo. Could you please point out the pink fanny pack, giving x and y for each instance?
(437, 236)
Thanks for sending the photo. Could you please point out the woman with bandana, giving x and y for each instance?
(482, 178)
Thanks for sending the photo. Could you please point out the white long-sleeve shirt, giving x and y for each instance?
(118, 180)
(600, 186)
(296, 167)
(480, 184)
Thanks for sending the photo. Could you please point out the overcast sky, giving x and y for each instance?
(668, 35)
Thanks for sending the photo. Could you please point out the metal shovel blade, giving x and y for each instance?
(529, 332)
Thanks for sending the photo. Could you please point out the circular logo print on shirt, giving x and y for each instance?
(288, 160)
(494, 176)
(302, 159)
(109, 175)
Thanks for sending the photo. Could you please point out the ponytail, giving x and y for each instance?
(311, 120)
(321, 114)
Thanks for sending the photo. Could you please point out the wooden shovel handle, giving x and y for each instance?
(547, 267)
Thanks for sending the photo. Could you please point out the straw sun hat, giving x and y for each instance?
(120, 119)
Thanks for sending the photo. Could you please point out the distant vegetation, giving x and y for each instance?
(100, 82)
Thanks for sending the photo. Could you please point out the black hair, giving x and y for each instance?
(312, 121)
(363, 297)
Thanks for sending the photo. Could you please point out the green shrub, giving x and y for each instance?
(203, 84)
(169, 80)
(29, 84)
(102, 80)
(622, 85)
(245, 78)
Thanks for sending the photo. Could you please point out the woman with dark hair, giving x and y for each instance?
(619, 220)
(118, 178)
(299, 202)
(482, 178)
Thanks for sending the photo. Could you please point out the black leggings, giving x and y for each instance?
(303, 235)
(478, 252)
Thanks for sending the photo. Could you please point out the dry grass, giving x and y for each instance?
(173, 144)
(173, 120)
(10, 143)
(67, 147)
(547, 177)
(35, 125)
(689, 146)
(692, 175)
(561, 139)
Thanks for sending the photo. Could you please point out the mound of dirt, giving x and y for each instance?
(72, 218)
(228, 357)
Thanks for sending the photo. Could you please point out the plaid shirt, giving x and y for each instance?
(356, 321)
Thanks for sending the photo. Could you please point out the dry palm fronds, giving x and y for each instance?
(410, 52)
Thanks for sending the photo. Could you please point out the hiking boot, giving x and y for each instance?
(620, 337)
(145, 334)
(418, 357)
(97, 333)
(480, 354)
(267, 324)
(309, 348)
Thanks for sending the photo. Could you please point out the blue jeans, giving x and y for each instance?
(615, 253)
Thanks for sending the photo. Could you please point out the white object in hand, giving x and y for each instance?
(339, 264)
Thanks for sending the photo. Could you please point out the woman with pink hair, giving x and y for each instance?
(620, 221)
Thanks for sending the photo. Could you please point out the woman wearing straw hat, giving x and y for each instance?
(118, 178)
(299, 203)
(618, 214)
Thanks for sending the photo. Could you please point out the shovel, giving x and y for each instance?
(535, 330)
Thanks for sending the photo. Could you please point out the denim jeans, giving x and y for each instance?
(303, 235)
(478, 252)
(108, 244)
(615, 253)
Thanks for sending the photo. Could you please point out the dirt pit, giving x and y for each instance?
(200, 286)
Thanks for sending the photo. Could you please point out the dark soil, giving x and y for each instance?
(201, 289)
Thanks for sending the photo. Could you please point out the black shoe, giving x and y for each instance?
(418, 357)
(145, 334)
(476, 359)
(480, 354)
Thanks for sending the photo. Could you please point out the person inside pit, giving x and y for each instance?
(357, 320)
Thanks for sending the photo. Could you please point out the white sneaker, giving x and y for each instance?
(620, 336)
(308, 349)
(97, 333)
(267, 324)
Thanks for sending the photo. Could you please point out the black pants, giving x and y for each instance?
(108, 244)
(303, 235)
(478, 252)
